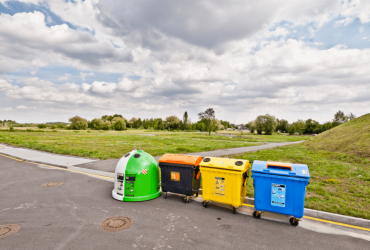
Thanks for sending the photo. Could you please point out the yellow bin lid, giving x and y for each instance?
(225, 164)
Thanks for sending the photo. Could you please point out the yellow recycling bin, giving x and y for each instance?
(224, 180)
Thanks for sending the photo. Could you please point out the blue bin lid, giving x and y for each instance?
(279, 168)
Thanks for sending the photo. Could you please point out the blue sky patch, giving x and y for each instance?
(13, 7)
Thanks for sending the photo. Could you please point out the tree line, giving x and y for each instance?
(207, 121)
(269, 124)
(171, 123)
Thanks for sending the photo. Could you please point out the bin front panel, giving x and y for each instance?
(178, 178)
(280, 187)
(223, 186)
(279, 194)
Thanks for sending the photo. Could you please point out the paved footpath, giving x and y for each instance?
(110, 165)
(68, 217)
(43, 157)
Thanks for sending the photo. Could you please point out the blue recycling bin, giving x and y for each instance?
(280, 188)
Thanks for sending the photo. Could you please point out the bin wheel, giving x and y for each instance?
(234, 210)
(294, 221)
(257, 215)
(186, 199)
(196, 195)
(205, 204)
(165, 195)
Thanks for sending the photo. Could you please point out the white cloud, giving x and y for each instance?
(25, 1)
(126, 84)
(6, 109)
(344, 21)
(103, 87)
(42, 45)
(83, 75)
(25, 107)
(65, 77)
(35, 81)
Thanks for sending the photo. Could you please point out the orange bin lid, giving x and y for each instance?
(181, 159)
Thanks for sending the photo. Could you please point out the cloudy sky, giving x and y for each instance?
(291, 59)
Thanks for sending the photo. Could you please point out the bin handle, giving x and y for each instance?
(245, 176)
(279, 165)
(197, 175)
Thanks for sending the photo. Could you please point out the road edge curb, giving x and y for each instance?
(328, 216)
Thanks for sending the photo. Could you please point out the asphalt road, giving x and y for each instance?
(68, 217)
(110, 165)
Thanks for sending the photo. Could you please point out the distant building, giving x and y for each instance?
(241, 127)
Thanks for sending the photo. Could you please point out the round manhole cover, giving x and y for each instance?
(53, 184)
(115, 224)
(9, 229)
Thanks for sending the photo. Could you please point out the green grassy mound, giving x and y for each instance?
(351, 138)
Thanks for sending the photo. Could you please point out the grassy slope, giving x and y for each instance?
(351, 138)
(347, 194)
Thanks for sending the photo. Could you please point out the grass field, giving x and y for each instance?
(114, 144)
(265, 138)
(339, 183)
(108, 145)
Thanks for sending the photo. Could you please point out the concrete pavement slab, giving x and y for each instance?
(43, 157)
(68, 217)
(233, 151)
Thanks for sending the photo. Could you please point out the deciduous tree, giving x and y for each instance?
(208, 118)
(78, 123)
(118, 123)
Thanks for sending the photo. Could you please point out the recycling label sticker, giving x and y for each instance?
(220, 186)
(175, 176)
(120, 178)
(278, 195)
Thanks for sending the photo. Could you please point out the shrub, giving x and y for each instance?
(41, 126)
(11, 129)
(61, 125)
(96, 124)
(106, 125)
(78, 123)
(119, 124)
(292, 130)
